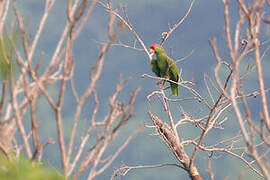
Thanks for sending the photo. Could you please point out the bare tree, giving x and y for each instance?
(21, 94)
(226, 94)
(251, 144)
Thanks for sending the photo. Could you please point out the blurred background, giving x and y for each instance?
(150, 18)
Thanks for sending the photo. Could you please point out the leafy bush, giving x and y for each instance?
(21, 168)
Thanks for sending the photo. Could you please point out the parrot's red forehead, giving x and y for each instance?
(154, 46)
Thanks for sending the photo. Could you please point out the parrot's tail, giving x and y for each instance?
(174, 88)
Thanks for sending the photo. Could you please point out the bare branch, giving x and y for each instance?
(123, 170)
(166, 35)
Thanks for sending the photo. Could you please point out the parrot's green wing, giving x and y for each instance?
(155, 68)
(162, 64)
(173, 70)
(173, 75)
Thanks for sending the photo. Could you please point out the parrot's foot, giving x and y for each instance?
(165, 88)
(160, 82)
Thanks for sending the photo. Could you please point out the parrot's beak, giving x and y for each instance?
(152, 53)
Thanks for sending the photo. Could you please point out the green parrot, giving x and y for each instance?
(165, 67)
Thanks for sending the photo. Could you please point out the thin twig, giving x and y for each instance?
(167, 34)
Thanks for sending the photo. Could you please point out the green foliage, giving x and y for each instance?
(17, 169)
(7, 54)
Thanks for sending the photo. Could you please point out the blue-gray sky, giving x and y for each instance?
(150, 18)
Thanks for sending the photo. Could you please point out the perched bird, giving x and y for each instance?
(165, 67)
